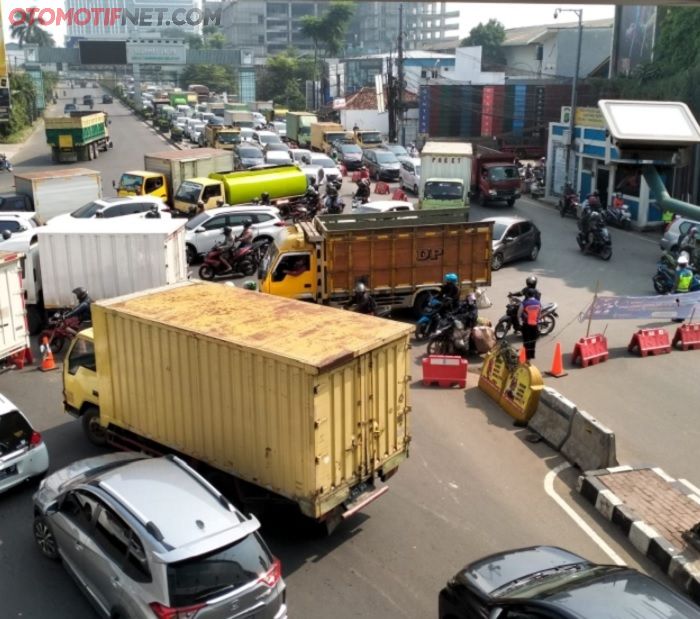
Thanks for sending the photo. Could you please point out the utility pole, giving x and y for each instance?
(400, 84)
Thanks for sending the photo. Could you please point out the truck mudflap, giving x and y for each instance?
(360, 497)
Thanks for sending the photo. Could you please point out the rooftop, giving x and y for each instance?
(527, 35)
(366, 99)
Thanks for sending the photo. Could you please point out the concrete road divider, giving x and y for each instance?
(553, 417)
(590, 445)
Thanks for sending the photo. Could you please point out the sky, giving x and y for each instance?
(511, 15)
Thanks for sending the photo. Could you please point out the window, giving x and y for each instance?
(525, 227)
(82, 355)
(215, 223)
(79, 507)
(15, 432)
(237, 219)
(11, 225)
(292, 265)
(114, 211)
(262, 217)
(627, 180)
(212, 191)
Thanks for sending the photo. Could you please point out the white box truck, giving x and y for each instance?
(445, 175)
(28, 249)
(110, 258)
(55, 192)
(13, 327)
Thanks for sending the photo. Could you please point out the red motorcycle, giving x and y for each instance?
(60, 331)
(243, 262)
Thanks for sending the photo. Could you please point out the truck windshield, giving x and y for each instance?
(332, 136)
(371, 137)
(130, 182)
(188, 192)
(229, 138)
(504, 173)
(444, 190)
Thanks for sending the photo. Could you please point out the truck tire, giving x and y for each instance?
(511, 202)
(94, 432)
(35, 320)
(95, 151)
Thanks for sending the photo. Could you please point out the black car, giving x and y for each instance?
(69, 107)
(15, 202)
(88, 100)
(382, 164)
(348, 155)
(107, 99)
(545, 582)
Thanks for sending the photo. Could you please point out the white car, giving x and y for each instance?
(205, 230)
(281, 128)
(19, 225)
(247, 134)
(384, 206)
(106, 208)
(299, 154)
(329, 167)
(180, 121)
(278, 156)
(23, 453)
(259, 118)
(263, 138)
(409, 175)
(196, 131)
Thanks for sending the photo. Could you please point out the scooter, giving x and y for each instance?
(509, 320)
(333, 205)
(619, 217)
(243, 262)
(450, 338)
(427, 324)
(601, 245)
(569, 204)
(59, 331)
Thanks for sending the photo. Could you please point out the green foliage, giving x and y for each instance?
(490, 36)
(30, 31)
(50, 80)
(218, 78)
(214, 40)
(678, 45)
(283, 78)
(22, 99)
(194, 41)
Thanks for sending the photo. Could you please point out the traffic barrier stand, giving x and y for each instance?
(557, 370)
(47, 361)
(650, 341)
(688, 335)
(382, 188)
(399, 194)
(590, 350)
(22, 358)
(445, 371)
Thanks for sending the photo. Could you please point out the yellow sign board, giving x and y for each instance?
(494, 373)
(522, 393)
(589, 117)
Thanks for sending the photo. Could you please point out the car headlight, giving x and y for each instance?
(492, 192)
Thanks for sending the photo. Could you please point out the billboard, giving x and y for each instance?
(159, 53)
(102, 52)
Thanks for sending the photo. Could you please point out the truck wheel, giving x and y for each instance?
(191, 254)
(95, 151)
(415, 190)
(54, 155)
(35, 320)
(95, 433)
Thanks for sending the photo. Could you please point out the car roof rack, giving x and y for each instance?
(224, 502)
(149, 525)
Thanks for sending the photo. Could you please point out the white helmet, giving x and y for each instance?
(682, 260)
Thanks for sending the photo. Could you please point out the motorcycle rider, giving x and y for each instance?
(331, 202)
(529, 289)
(226, 248)
(265, 198)
(469, 312)
(595, 224)
(363, 191)
(81, 310)
(529, 313)
(449, 292)
(568, 195)
(684, 274)
(362, 300)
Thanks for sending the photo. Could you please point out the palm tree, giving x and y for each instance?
(314, 27)
(29, 31)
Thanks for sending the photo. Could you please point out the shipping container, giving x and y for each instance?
(13, 327)
(307, 402)
(56, 192)
(109, 257)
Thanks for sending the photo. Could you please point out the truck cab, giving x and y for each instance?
(80, 384)
(142, 183)
(368, 138)
(494, 178)
(192, 190)
(437, 193)
(222, 137)
(289, 270)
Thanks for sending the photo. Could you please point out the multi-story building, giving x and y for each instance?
(269, 27)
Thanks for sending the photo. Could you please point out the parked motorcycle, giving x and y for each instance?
(601, 244)
(59, 331)
(536, 187)
(619, 217)
(428, 322)
(509, 320)
(243, 262)
(568, 204)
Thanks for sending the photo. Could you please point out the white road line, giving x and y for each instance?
(549, 489)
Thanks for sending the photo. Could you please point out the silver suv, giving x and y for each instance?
(150, 538)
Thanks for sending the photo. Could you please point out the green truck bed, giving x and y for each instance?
(72, 131)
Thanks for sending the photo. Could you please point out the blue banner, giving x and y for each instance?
(423, 109)
(663, 307)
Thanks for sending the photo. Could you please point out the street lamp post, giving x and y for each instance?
(574, 86)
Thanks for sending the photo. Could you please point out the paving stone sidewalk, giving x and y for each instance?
(653, 510)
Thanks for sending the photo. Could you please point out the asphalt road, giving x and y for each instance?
(473, 485)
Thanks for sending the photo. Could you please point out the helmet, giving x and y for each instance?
(451, 278)
(250, 285)
(593, 201)
(247, 223)
(693, 231)
(682, 260)
(471, 298)
(81, 293)
(531, 282)
(360, 288)
(228, 230)
(595, 216)
(265, 196)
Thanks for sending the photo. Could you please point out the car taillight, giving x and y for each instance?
(184, 612)
(34, 440)
(280, 224)
(273, 575)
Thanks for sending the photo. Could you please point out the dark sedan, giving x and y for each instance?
(107, 99)
(348, 155)
(545, 582)
(513, 238)
(382, 164)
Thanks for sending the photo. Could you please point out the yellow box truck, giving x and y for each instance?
(315, 410)
(324, 134)
(402, 257)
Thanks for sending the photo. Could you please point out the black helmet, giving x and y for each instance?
(81, 293)
(531, 282)
(247, 223)
(228, 230)
(264, 196)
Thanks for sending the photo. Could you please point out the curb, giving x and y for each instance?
(677, 564)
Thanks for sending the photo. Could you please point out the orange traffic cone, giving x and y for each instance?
(47, 362)
(557, 363)
(522, 357)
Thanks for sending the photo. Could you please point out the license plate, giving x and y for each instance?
(358, 490)
(8, 472)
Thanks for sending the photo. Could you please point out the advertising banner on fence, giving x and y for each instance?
(634, 308)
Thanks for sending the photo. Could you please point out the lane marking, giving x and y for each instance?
(582, 524)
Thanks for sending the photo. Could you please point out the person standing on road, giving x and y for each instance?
(530, 310)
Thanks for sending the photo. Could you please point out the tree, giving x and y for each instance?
(490, 37)
(678, 45)
(215, 41)
(194, 41)
(282, 78)
(30, 31)
(218, 78)
(22, 108)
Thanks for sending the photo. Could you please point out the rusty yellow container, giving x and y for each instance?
(304, 400)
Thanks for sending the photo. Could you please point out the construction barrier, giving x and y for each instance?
(650, 341)
(688, 335)
(590, 350)
(553, 417)
(590, 444)
(522, 392)
(399, 194)
(382, 188)
(356, 177)
(445, 371)
(22, 358)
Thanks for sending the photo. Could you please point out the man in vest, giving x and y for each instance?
(530, 310)
(684, 275)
